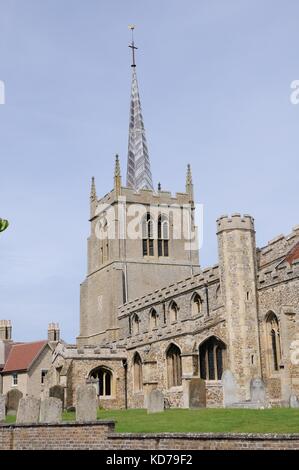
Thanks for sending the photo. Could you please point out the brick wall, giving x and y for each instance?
(101, 435)
(56, 436)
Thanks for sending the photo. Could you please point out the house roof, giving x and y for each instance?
(21, 356)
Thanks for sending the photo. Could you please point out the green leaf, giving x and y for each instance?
(3, 225)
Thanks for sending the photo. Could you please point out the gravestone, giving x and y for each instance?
(57, 391)
(197, 393)
(258, 391)
(294, 402)
(86, 406)
(50, 410)
(229, 386)
(155, 402)
(2, 408)
(28, 411)
(13, 398)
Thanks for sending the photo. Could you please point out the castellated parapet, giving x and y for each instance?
(206, 277)
(277, 248)
(235, 221)
(144, 196)
(283, 273)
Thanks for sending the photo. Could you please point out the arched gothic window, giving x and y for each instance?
(136, 325)
(173, 311)
(174, 366)
(104, 381)
(163, 236)
(102, 229)
(148, 235)
(137, 370)
(196, 305)
(153, 319)
(273, 337)
(211, 359)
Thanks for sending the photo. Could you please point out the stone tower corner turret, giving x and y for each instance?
(238, 280)
(189, 183)
(93, 197)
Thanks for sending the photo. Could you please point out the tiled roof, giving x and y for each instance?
(293, 255)
(21, 356)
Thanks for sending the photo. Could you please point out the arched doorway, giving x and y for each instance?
(104, 381)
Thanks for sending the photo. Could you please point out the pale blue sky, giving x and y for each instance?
(214, 78)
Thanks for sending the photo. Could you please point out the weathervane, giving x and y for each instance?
(132, 45)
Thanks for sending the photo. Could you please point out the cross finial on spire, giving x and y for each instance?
(132, 45)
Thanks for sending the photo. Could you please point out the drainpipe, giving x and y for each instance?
(125, 366)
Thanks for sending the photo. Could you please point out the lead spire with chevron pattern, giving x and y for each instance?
(139, 174)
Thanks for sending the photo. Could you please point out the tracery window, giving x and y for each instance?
(211, 359)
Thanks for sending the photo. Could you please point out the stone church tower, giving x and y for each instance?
(151, 318)
(136, 242)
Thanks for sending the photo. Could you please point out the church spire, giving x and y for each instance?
(139, 174)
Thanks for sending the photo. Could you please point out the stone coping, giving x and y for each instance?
(206, 436)
(99, 422)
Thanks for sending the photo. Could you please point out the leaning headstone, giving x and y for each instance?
(50, 410)
(57, 391)
(86, 406)
(13, 398)
(2, 408)
(197, 393)
(258, 391)
(229, 387)
(155, 402)
(294, 402)
(28, 411)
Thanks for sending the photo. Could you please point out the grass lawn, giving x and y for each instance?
(275, 420)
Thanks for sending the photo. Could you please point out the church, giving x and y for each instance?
(152, 318)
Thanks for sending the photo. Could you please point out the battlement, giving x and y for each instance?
(207, 276)
(113, 351)
(278, 247)
(145, 196)
(235, 222)
(283, 272)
